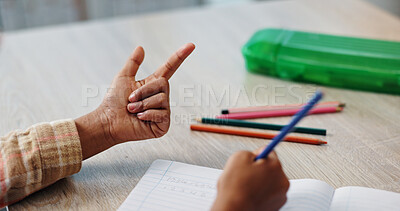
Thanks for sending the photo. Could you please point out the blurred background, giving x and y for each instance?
(22, 14)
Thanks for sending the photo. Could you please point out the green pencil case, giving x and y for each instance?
(339, 61)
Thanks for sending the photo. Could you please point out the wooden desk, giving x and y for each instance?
(45, 74)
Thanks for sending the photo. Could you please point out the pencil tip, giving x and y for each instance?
(342, 105)
(197, 119)
(225, 111)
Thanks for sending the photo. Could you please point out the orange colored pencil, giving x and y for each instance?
(255, 134)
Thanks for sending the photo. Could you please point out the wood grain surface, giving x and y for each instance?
(63, 72)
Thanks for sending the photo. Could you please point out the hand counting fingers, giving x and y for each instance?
(151, 101)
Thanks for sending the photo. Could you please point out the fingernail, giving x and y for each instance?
(139, 114)
(131, 107)
(131, 97)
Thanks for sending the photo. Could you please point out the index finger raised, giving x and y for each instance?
(173, 62)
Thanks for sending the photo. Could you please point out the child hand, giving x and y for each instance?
(246, 184)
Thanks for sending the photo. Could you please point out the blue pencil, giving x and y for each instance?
(285, 130)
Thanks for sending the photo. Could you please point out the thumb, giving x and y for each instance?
(132, 64)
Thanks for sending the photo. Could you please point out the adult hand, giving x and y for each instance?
(246, 184)
(132, 109)
(149, 99)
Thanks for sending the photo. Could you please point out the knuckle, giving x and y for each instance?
(164, 101)
(139, 93)
(150, 89)
(144, 105)
(140, 105)
(180, 58)
(135, 60)
(163, 81)
(163, 97)
(168, 65)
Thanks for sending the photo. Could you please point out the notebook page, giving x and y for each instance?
(308, 195)
(169, 185)
(366, 199)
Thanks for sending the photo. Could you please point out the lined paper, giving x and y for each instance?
(169, 185)
(308, 195)
(360, 198)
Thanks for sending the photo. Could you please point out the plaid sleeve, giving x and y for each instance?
(37, 157)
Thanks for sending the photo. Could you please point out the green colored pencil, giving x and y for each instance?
(241, 123)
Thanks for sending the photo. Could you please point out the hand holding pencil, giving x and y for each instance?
(248, 185)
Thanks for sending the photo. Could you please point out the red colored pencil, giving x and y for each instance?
(277, 113)
(254, 134)
(279, 107)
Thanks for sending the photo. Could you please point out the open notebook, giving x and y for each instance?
(169, 185)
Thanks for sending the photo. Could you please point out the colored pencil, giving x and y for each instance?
(258, 125)
(278, 113)
(296, 118)
(254, 134)
(279, 107)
